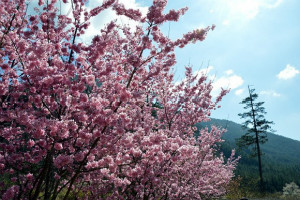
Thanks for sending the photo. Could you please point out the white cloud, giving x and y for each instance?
(239, 92)
(204, 71)
(230, 81)
(273, 4)
(226, 22)
(270, 93)
(288, 72)
(239, 11)
(250, 8)
(229, 72)
(246, 8)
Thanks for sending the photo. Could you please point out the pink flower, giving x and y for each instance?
(132, 125)
(39, 133)
(29, 176)
(10, 192)
(83, 98)
(58, 146)
(48, 81)
(31, 143)
(4, 66)
(32, 18)
(14, 179)
(90, 80)
(56, 176)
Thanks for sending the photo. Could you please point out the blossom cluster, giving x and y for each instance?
(104, 119)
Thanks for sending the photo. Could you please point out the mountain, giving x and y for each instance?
(281, 159)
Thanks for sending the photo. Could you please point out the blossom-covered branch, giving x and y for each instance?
(103, 120)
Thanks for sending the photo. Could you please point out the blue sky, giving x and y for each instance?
(256, 42)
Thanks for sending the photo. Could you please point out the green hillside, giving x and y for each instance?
(281, 159)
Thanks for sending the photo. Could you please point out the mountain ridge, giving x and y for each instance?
(281, 159)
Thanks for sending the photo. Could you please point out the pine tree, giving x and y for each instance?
(256, 126)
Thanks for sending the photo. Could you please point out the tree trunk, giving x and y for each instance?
(257, 145)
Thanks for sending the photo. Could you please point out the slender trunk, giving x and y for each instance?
(257, 145)
(42, 177)
(55, 193)
(47, 186)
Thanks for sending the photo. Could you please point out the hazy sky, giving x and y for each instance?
(256, 42)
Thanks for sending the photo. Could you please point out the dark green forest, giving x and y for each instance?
(280, 160)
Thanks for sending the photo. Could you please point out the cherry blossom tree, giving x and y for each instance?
(103, 120)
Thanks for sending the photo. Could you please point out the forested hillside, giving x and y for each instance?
(281, 159)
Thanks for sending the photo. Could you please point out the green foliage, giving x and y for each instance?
(234, 190)
(255, 124)
(281, 160)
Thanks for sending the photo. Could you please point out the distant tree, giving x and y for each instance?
(256, 126)
(291, 190)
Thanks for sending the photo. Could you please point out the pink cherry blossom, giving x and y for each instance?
(58, 146)
(104, 119)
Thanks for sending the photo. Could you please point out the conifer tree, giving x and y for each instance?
(256, 126)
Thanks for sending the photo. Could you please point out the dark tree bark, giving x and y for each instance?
(257, 127)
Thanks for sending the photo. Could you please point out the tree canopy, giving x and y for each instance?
(78, 120)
